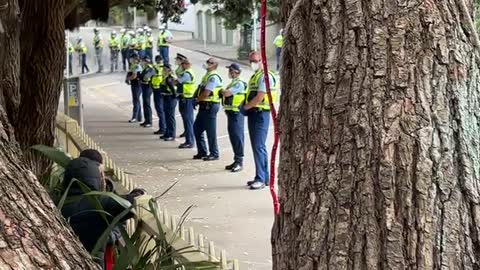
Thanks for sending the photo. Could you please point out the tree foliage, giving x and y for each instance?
(170, 10)
(239, 12)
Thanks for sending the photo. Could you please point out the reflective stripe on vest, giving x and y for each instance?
(157, 79)
(214, 95)
(162, 39)
(140, 42)
(125, 41)
(189, 86)
(148, 43)
(232, 103)
(253, 87)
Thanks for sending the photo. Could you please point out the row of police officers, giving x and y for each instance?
(138, 42)
(239, 99)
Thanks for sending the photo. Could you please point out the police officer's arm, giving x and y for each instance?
(213, 81)
(236, 88)
(261, 92)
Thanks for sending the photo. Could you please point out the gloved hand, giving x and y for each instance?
(242, 110)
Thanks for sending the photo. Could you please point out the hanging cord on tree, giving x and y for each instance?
(273, 192)
(471, 25)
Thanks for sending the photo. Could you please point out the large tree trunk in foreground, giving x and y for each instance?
(380, 161)
(33, 235)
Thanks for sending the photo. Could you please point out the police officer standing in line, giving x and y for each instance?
(257, 109)
(98, 45)
(82, 52)
(124, 39)
(169, 102)
(157, 81)
(164, 39)
(149, 43)
(140, 43)
(133, 79)
(186, 92)
(208, 99)
(145, 77)
(178, 74)
(278, 42)
(233, 97)
(132, 44)
(114, 45)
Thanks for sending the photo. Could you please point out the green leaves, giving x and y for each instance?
(53, 154)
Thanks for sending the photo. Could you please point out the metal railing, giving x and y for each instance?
(194, 246)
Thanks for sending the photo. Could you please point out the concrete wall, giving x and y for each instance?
(270, 34)
(203, 29)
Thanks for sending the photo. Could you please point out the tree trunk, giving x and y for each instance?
(380, 153)
(33, 235)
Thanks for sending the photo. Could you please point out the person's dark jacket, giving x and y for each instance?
(88, 224)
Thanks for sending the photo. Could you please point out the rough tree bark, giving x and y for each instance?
(380, 155)
(33, 235)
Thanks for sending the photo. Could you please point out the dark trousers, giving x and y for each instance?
(113, 60)
(278, 53)
(158, 101)
(258, 122)
(147, 100)
(149, 54)
(137, 107)
(207, 121)
(84, 63)
(170, 103)
(235, 127)
(125, 56)
(141, 54)
(186, 110)
(70, 64)
(164, 50)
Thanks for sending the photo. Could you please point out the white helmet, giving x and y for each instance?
(139, 30)
(131, 33)
(122, 30)
(146, 28)
(114, 33)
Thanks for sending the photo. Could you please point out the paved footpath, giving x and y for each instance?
(235, 218)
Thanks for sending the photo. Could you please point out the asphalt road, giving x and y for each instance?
(235, 218)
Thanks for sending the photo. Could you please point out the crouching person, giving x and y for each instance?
(81, 211)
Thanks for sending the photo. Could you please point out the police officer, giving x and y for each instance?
(132, 44)
(149, 43)
(169, 102)
(186, 92)
(233, 97)
(98, 45)
(140, 43)
(114, 45)
(208, 99)
(157, 82)
(178, 73)
(145, 77)
(124, 39)
(164, 39)
(81, 49)
(278, 42)
(133, 79)
(258, 111)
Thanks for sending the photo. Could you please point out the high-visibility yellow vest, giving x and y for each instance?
(214, 95)
(162, 39)
(232, 103)
(97, 42)
(125, 41)
(132, 44)
(148, 43)
(253, 89)
(157, 79)
(279, 41)
(113, 43)
(81, 48)
(189, 86)
(140, 42)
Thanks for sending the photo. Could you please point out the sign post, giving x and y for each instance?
(73, 106)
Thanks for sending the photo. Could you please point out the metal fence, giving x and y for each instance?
(194, 247)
